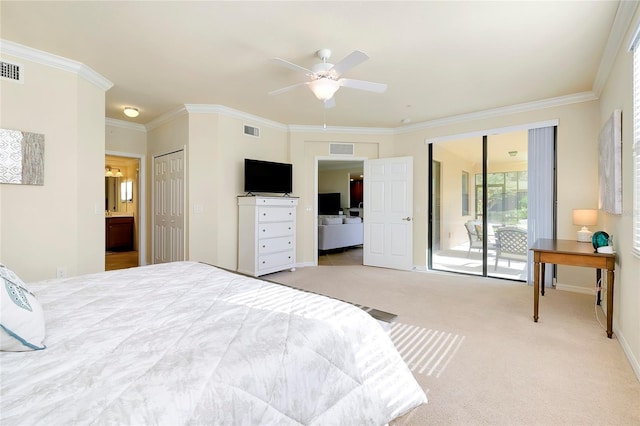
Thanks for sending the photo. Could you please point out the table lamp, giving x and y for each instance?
(584, 218)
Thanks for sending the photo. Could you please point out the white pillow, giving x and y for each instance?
(332, 221)
(21, 316)
(352, 220)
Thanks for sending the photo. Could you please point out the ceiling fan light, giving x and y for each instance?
(131, 112)
(324, 88)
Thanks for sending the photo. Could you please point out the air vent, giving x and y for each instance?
(341, 149)
(251, 131)
(10, 71)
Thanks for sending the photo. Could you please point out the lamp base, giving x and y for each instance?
(584, 236)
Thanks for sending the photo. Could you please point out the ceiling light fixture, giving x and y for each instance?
(324, 88)
(131, 112)
(513, 153)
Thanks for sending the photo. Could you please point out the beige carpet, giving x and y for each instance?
(474, 348)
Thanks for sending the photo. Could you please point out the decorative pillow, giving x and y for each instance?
(352, 220)
(479, 232)
(21, 316)
(332, 221)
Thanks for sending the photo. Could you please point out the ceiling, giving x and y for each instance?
(439, 59)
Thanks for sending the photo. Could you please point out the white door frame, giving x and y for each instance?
(142, 202)
(184, 198)
(315, 195)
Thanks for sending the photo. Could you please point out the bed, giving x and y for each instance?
(188, 343)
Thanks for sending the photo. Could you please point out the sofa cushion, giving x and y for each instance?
(351, 220)
(332, 221)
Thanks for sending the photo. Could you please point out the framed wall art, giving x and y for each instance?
(21, 157)
(610, 164)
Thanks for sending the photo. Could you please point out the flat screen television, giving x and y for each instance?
(267, 176)
(329, 203)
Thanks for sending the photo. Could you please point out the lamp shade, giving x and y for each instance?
(324, 88)
(585, 217)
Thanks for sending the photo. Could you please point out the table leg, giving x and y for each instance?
(536, 289)
(609, 303)
(598, 285)
(542, 274)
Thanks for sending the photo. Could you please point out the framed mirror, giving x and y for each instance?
(111, 193)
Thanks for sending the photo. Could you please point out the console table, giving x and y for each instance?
(572, 253)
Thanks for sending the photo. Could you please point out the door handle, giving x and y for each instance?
(408, 219)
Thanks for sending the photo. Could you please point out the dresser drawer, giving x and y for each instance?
(278, 229)
(275, 260)
(271, 245)
(274, 214)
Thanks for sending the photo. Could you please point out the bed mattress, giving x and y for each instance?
(188, 343)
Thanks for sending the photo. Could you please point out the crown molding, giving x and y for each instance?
(166, 117)
(234, 113)
(502, 111)
(44, 58)
(125, 124)
(621, 23)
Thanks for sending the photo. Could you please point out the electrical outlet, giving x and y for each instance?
(61, 272)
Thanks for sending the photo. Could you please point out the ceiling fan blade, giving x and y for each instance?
(291, 65)
(286, 89)
(330, 103)
(363, 85)
(354, 58)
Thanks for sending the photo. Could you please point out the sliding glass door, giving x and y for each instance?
(483, 191)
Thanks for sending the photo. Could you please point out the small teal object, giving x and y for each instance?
(600, 239)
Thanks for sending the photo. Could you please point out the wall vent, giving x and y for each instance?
(341, 149)
(251, 131)
(11, 71)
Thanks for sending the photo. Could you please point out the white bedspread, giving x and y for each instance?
(187, 343)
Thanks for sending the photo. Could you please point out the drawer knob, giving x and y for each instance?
(263, 246)
(264, 230)
(264, 214)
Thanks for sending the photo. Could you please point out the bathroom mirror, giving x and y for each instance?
(111, 193)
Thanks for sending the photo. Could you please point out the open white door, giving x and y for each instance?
(388, 213)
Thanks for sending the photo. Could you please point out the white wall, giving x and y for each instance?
(617, 94)
(59, 224)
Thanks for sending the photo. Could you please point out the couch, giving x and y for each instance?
(339, 232)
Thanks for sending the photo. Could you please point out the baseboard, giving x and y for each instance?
(635, 365)
(304, 264)
(575, 288)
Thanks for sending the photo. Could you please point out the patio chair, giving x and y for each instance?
(511, 244)
(475, 238)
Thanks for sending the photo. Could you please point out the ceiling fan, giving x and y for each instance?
(324, 78)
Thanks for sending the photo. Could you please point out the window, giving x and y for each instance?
(465, 193)
(636, 144)
(507, 198)
(126, 191)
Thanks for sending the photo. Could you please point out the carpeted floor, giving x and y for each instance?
(474, 348)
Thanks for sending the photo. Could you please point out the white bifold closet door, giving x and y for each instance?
(168, 207)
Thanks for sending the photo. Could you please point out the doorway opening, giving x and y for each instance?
(125, 205)
(339, 227)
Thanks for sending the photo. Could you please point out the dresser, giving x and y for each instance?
(266, 234)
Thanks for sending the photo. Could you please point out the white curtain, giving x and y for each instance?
(541, 193)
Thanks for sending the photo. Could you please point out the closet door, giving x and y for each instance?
(168, 207)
